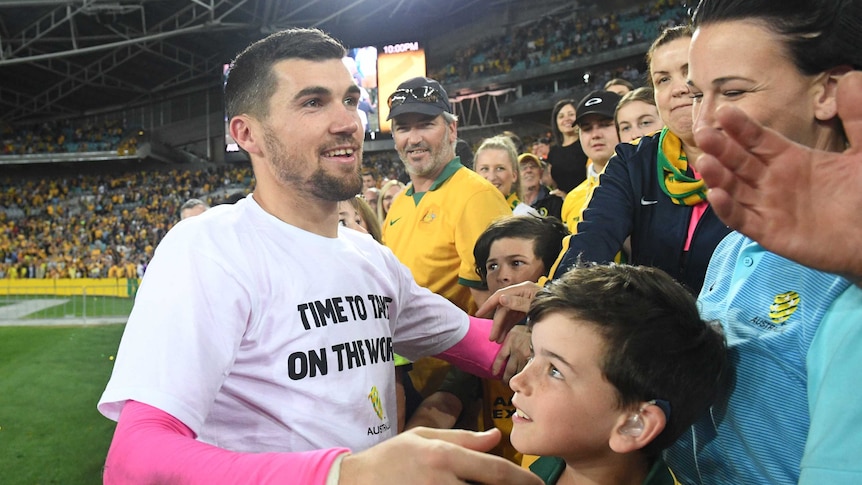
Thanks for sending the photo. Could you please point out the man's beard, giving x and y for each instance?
(329, 187)
(436, 158)
(324, 185)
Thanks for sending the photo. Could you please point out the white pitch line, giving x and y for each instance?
(23, 308)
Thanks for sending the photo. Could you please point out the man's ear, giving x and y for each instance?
(453, 130)
(635, 430)
(244, 130)
(825, 92)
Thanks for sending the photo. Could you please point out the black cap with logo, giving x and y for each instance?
(419, 95)
(602, 103)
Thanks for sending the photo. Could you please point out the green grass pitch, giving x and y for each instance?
(52, 378)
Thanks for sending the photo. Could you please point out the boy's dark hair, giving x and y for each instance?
(251, 81)
(657, 346)
(547, 234)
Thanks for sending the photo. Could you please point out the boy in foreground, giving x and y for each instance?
(621, 365)
(512, 250)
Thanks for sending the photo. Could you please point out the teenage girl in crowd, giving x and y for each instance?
(637, 115)
(566, 160)
(651, 191)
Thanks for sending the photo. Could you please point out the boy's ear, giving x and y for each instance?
(634, 431)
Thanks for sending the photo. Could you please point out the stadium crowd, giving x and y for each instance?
(565, 35)
(100, 226)
(67, 137)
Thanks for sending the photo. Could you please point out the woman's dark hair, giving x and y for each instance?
(667, 36)
(547, 234)
(656, 345)
(558, 135)
(820, 34)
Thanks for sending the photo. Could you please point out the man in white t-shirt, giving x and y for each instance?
(260, 346)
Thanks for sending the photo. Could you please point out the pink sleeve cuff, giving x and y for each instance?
(151, 446)
(475, 353)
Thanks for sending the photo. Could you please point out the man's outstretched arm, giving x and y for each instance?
(152, 447)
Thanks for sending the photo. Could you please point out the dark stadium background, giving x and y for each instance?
(158, 64)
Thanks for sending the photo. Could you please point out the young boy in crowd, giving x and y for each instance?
(598, 135)
(510, 251)
(621, 365)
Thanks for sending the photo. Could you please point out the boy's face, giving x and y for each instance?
(598, 138)
(565, 406)
(512, 261)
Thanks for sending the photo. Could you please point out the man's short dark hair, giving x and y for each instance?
(251, 81)
(657, 346)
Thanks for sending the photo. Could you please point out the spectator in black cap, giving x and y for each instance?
(598, 135)
(434, 223)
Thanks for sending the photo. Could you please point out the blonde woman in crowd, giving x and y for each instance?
(496, 161)
(387, 194)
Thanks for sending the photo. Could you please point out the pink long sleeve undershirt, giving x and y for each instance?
(151, 446)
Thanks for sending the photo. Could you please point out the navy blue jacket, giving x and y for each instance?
(629, 201)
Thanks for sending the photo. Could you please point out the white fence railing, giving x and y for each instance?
(31, 302)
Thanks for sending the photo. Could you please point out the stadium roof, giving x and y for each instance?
(71, 58)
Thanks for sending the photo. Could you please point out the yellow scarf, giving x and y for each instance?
(672, 167)
(513, 201)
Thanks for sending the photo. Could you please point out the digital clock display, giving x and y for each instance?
(403, 47)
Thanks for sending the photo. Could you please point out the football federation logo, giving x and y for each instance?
(376, 403)
(783, 306)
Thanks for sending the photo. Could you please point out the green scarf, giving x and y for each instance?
(672, 167)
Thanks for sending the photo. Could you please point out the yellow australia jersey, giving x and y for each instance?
(433, 233)
(576, 201)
